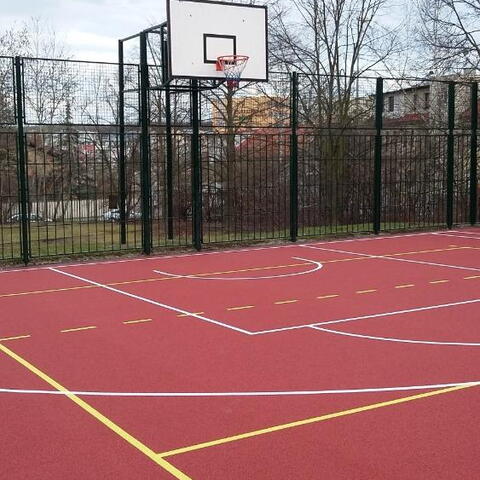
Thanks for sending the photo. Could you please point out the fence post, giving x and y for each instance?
(168, 144)
(473, 156)
(121, 152)
(294, 159)
(450, 153)
(21, 165)
(377, 169)
(196, 169)
(145, 149)
(169, 165)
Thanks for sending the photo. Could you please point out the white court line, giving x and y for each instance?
(365, 317)
(239, 394)
(318, 266)
(397, 340)
(456, 236)
(217, 252)
(370, 238)
(383, 257)
(152, 302)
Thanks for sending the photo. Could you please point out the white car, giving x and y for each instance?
(33, 217)
(114, 215)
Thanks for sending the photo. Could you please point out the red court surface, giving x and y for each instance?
(351, 359)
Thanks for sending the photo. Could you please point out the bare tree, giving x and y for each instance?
(331, 43)
(449, 30)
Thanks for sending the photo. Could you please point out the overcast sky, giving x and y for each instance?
(91, 28)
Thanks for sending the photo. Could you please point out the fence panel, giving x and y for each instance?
(248, 166)
(7, 91)
(335, 183)
(73, 194)
(10, 242)
(245, 187)
(177, 231)
(69, 92)
(462, 179)
(414, 181)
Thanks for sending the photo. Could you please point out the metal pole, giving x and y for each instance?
(145, 149)
(450, 153)
(196, 169)
(169, 143)
(473, 156)
(121, 154)
(21, 165)
(377, 180)
(169, 172)
(294, 159)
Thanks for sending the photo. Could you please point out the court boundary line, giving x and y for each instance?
(216, 252)
(204, 275)
(153, 302)
(457, 236)
(309, 421)
(365, 317)
(318, 266)
(396, 340)
(286, 393)
(130, 439)
(391, 257)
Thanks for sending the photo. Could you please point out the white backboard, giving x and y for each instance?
(199, 31)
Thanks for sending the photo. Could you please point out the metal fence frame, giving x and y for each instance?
(163, 145)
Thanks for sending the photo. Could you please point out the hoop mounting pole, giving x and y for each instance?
(145, 149)
(196, 169)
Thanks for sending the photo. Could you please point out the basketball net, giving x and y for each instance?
(233, 67)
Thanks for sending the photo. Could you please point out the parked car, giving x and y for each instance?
(135, 216)
(33, 217)
(114, 215)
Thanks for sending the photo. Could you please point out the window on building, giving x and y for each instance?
(426, 101)
(415, 101)
(391, 104)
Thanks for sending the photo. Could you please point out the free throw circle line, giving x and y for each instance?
(318, 266)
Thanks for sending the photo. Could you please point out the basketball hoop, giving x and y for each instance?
(232, 66)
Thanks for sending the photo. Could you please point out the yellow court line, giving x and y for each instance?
(190, 314)
(79, 329)
(340, 260)
(437, 250)
(246, 307)
(148, 280)
(285, 302)
(19, 337)
(253, 269)
(308, 421)
(133, 322)
(208, 274)
(134, 442)
(53, 290)
(324, 297)
(408, 285)
(435, 282)
(361, 292)
(143, 280)
(472, 278)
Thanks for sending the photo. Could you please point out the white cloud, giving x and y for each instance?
(91, 27)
